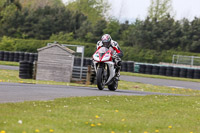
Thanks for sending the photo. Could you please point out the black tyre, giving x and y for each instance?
(124, 66)
(148, 69)
(183, 73)
(155, 70)
(190, 73)
(113, 86)
(1, 55)
(100, 79)
(169, 71)
(142, 68)
(162, 70)
(176, 72)
(196, 74)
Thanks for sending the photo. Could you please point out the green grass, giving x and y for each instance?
(106, 114)
(158, 76)
(9, 63)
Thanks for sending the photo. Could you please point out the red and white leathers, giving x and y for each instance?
(114, 45)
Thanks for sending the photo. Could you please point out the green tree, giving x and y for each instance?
(160, 9)
(113, 29)
(34, 4)
(94, 9)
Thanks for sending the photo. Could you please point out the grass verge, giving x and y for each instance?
(7, 63)
(105, 114)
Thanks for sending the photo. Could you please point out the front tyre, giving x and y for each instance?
(100, 79)
(113, 86)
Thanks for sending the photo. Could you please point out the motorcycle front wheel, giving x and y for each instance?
(113, 86)
(100, 79)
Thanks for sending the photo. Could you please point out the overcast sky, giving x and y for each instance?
(132, 9)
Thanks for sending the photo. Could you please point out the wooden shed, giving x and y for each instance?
(55, 63)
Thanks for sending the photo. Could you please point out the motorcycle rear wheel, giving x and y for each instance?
(113, 86)
(100, 79)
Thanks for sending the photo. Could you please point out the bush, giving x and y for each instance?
(7, 44)
(136, 53)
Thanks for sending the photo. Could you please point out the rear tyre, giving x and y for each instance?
(113, 86)
(100, 79)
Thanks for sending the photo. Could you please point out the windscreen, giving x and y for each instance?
(102, 51)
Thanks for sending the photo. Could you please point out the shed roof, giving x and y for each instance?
(57, 45)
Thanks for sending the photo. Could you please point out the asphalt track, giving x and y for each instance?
(153, 81)
(163, 82)
(16, 92)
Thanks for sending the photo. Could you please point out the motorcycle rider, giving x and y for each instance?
(106, 41)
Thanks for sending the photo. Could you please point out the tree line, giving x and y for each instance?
(59, 22)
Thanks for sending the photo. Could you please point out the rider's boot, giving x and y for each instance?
(117, 76)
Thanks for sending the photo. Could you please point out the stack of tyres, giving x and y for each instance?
(31, 57)
(190, 73)
(162, 70)
(26, 56)
(155, 70)
(35, 56)
(6, 56)
(1, 55)
(124, 66)
(142, 68)
(183, 72)
(148, 69)
(16, 56)
(75, 61)
(26, 70)
(21, 56)
(169, 71)
(130, 66)
(176, 72)
(136, 68)
(11, 56)
(196, 74)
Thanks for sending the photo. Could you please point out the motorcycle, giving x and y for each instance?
(105, 67)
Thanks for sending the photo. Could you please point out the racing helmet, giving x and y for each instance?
(106, 40)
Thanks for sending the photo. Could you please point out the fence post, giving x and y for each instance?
(192, 61)
(89, 72)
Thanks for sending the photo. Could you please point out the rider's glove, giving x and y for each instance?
(115, 56)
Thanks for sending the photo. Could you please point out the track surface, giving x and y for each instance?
(15, 92)
(162, 82)
(153, 81)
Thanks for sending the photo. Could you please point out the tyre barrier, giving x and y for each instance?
(176, 72)
(124, 66)
(136, 68)
(26, 70)
(130, 66)
(183, 72)
(31, 57)
(169, 71)
(190, 73)
(162, 70)
(1, 55)
(142, 68)
(26, 56)
(155, 70)
(6, 56)
(21, 56)
(148, 69)
(196, 74)
(11, 56)
(18, 56)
